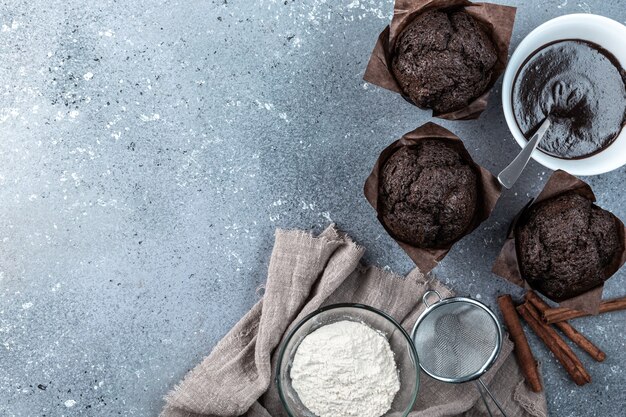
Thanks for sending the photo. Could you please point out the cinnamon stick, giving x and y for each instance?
(554, 315)
(554, 342)
(567, 329)
(524, 355)
(564, 346)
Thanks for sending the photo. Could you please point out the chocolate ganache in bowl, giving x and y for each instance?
(581, 87)
(570, 70)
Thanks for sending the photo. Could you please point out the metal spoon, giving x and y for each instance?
(511, 173)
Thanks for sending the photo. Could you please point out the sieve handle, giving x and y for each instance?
(482, 384)
(482, 395)
(429, 292)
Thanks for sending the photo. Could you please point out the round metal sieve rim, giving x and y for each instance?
(492, 357)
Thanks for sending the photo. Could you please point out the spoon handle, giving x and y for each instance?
(511, 173)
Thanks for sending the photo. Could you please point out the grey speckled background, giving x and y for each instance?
(148, 151)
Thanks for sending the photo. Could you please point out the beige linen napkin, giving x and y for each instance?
(306, 272)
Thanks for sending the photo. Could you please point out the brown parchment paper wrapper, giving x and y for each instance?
(507, 267)
(488, 193)
(497, 20)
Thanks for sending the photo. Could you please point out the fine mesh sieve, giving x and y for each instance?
(457, 340)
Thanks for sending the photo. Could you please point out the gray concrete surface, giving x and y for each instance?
(148, 151)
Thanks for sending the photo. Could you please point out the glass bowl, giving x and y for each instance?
(399, 340)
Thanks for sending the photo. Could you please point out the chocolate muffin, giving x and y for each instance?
(564, 245)
(444, 60)
(428, 194)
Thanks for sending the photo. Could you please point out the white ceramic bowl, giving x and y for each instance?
(603, 31)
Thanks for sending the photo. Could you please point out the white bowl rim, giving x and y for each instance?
(595, 164)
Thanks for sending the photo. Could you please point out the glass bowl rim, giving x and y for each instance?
(292, 332)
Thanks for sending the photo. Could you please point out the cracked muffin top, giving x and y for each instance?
(428, 194)
(444, 60)
(564, 245)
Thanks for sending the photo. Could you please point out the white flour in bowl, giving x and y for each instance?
(345, 369)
